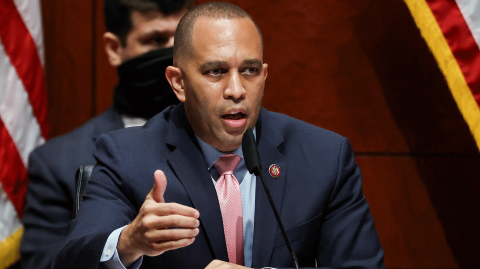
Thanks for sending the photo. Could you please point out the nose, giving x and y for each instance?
(235, 89)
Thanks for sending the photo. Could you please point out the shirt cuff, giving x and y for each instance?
(110, 258)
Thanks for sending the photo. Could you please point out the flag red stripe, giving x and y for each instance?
(23, 54)
(13, 174)
(461, 41)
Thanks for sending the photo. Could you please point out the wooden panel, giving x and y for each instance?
(68, 55)
(425, 209)
(412, 85)
(105, 75)
(361, 69)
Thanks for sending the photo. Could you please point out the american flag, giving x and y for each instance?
(451, 29)
(23, 113)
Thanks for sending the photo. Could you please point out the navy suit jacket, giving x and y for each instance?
(319, 196)
(51, 190)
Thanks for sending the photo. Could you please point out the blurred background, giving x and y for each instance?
(357, 67)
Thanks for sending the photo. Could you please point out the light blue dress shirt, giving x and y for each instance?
(247, 187)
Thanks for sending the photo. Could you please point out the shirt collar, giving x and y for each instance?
(211, 155)
(129, 121)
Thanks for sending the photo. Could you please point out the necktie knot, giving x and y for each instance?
(227, 163)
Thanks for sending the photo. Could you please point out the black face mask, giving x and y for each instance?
(143, 90)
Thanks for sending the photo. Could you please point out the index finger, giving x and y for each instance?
(176, 209)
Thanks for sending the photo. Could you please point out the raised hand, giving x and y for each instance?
(158, 227)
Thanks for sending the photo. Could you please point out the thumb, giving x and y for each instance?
(159, 187)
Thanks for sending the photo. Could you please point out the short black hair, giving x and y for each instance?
(118, 13)
(219, 10)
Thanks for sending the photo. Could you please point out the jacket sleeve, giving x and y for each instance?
(105, 208)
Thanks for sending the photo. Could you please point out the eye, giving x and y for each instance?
(250, 70)
(216, 72)
(159, 40)
(154, 39)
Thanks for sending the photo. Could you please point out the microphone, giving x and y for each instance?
(252, 161)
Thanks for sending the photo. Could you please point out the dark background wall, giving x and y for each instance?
(357, 67)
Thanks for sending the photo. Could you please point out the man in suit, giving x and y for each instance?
(213, 213)
(138, 42)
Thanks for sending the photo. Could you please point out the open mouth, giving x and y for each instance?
(235, 119)
(234, 116)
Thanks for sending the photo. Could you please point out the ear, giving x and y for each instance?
(175, 78)
(265, 70)
(113, 48)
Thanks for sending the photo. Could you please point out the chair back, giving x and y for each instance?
(82, 176)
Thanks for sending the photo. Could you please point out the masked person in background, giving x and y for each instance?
(138, 41)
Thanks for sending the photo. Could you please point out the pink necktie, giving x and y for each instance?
(230, 200)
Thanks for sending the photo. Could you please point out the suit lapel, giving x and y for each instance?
(188, 163)
(266, 225)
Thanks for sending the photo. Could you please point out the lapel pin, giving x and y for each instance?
(274, 171)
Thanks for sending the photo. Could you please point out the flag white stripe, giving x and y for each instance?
(9, 221)
(30, 12)
(470, 10)
(16, 111)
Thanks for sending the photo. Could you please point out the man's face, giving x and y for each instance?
(150, 31)
(224, 80)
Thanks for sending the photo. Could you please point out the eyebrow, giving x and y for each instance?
(153, 33)
(253, 62)
(213, 64)
(216, 64)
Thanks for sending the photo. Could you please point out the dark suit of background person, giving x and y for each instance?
(318, 193)
(141, 93)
